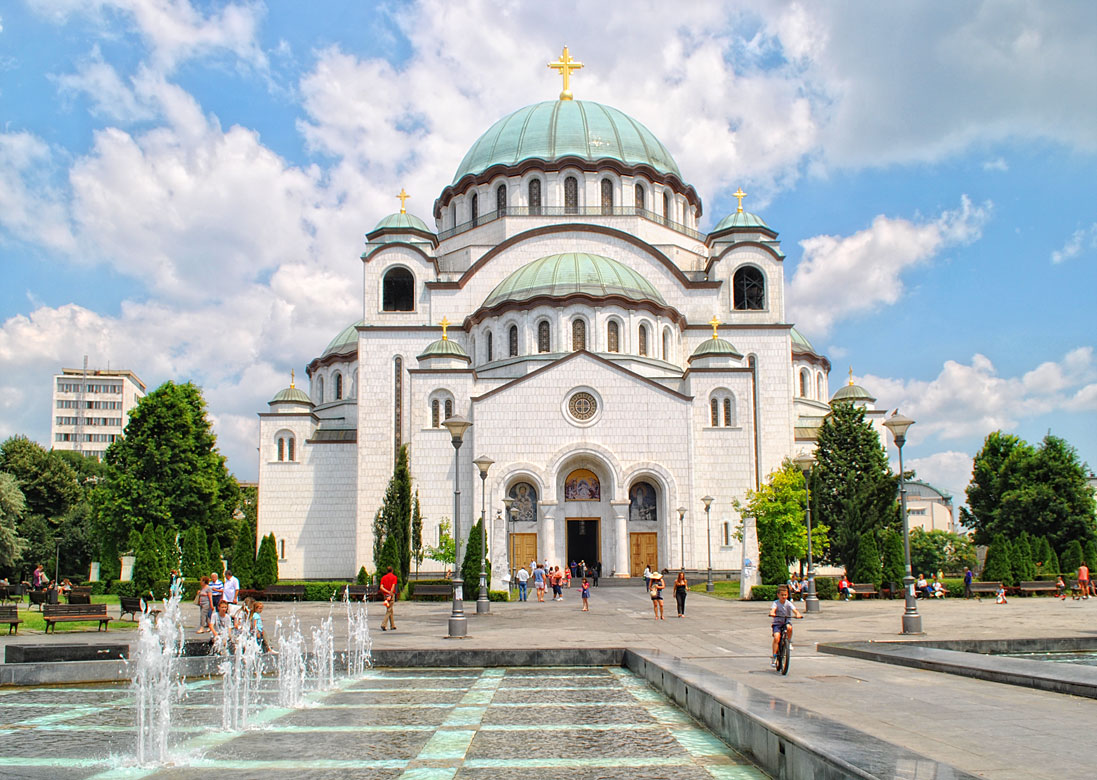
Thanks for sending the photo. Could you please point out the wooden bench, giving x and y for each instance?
(42, 597)
(985, 587)
(10, 615)
(296, 592)
(81, 595)
(431, 590)
(131, 605)
(863, 589)
(249, 593)
(12, 593)
(1038, 586)
(61, 613)
(360, 592)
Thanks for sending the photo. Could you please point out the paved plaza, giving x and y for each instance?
(989, 729)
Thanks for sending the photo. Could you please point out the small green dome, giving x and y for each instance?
(400, 221)
(291, 395)
(445, 348)
(573, 273)
(852, 393)
(801, 344)
(566, 128)
(716, 347)
(346, 342)
(741, 219)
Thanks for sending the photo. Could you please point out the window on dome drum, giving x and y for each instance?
(666, 344)
(319, 389)
(803, 383)
(501, 199)
(290, 454)
(281, 449)
(544, 342)
(398, 290)
(512, 338)
(449, 408)
(607, 196)
(749, 288)
(715, 418)
(578, 335)
(613, 337)
(729, 412)
(571, 195)
(666, 207)
(453, 215)
(640, 204)
(535, 197)
(434, 419)
(338, 386)
(475, 209)
(643, 340)
(489, 347)
(822, 394)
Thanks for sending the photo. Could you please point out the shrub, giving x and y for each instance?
(161, 588)
(242, 561)
(363, 577)
(1071, 558)
(417, 583)
(997, 567)
(894, 567)
(826, 588)
(764, 593)
(120, 588)
(498, 595)
(1024, 570)
(266, 563)
(98, 588)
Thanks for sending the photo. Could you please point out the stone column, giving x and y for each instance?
(546, 532)
(620, 532)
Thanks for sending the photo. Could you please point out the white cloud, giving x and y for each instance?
(839, 277)
(949, 470)
(1079, 240)
(31, 208)
(997, 164)
(111, 97)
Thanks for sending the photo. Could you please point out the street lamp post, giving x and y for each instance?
(483, 604)
(709, 586)
(805, 462)
(458, 625)
(912, 621)
(682, 533)
(507, 504)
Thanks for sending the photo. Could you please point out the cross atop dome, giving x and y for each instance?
(403, 197)
(740, 195)
(715, 323)
(851, 376)
(292, 378)
(565, 65)
(445, 323)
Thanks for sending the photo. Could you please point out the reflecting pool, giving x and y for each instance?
(1086, 658)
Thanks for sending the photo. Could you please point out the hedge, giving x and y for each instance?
(764, 593)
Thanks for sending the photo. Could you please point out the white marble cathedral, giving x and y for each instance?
(617, 363)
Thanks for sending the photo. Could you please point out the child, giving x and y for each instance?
(1001, 596)
(586, 595)
(257, 625)
(567, 578)
(1061, 588)
(781, 611)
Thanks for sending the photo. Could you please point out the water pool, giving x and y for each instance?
(1085, 657)
(577, 723)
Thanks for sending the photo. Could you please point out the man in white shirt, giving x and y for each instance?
(229, 591)
(522, 576)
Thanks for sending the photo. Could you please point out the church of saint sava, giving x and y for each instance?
(627, 375)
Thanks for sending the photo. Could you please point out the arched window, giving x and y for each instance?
(319, 389)
(666, 207)
(535, 197)
(613, 337)
(715, 417)
(578, 335)
(642, 505)
(571, 195)
(449, 408)
(544, 342)
(475, 209)
(722, 399)
(607, 196)
(398, 290)
(643, 340)
(803, 383)
(434, 414)
(666, 344)
(729, 412)
(290, 454)
(281, 448)
(490, 356)
(453, 215)
(640, 204)
(749, 288)
(512, 338)
(338, 386)
(501, 199)
(822, 394)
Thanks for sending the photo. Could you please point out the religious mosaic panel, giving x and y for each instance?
(582, 485)
(642, 505)
(525, 501)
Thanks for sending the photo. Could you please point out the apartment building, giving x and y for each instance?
(91, 407)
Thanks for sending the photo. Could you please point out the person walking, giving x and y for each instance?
(1083, 580)
(647, 577)
(656, 593)
(597, 572)
(681, 587)
(388, 589)
(523, 579)
(217, 589)
(586, 595)
(205, 605)
(229, 590)
(539, 576)
(968, 577)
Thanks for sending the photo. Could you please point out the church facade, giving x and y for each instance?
(618, 364)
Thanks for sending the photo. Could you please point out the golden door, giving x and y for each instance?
(523, 549)
(643, 551)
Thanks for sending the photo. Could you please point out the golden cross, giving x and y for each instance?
(740, 195)
(565, 65)
(715, 323)
(445, 324)
(292, 378)
(851, 375)
(403, 196)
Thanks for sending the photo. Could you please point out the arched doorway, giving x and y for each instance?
(582, 541)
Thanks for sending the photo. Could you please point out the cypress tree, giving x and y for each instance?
(772, 563)
(1024, 569)
(363, 577)
(194, 557)
(470, 564)
(396, 513)
(390, 557)
(216, 557)
(1072, 557)
(243, 554)
(868, 568)
(1090, 554)
(997, 567)
(1041, 553)
(894, 568)
(378, 539)
(146, 563)
(266, 563)
(1051, 562)
(416, 533)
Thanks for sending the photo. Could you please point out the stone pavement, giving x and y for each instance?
(993, 730)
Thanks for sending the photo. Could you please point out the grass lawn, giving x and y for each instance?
(725, 589)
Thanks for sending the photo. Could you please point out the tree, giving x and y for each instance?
(390, 556)
(1072, 557)
(266, 563)
(416, 533)
(1089, 553)
(363, 576)
(396, 514)
(996, 470)
(772, 556)
(242, 558)
(869, 567)
(446, 551)
(378, 538)
(166, 470)
(854, 490)
(470, 564)
(12, 506)
(894, 568)
(1047, 562)
(48, 482)
(195, 554)
(931, 551)
(997, 567)
(216, 557)
(149, 562)
(1024, 569)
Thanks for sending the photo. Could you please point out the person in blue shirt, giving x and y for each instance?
(781, 611)
(539, 583)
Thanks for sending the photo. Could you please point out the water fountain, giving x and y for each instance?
(323, 655)
(241, 672)
(359, 644)
(291, 663)
(156, 680)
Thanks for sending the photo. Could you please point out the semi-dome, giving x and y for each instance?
(715, 347)
(402, 221)
(566, 128)
(573, 273)
(741, 219)
(800, 343)
(852, 393)
(291, 395)
(444, 348)
(346, 342)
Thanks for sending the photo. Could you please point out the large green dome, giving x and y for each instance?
(344, 343)
(566, 128)
(402, 221)
(573, 273)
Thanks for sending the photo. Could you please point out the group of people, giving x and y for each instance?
(222, 617)
(931, 590)
(654, 584)
(545, 577)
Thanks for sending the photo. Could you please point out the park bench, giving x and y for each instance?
(60, 613)
(431, 590)
(360, 592)
(42, 597)
(80, 595)
(985, 587)
(295, 592)
(10, 615)
(12, 593)
(863, 589)
(1038, 586)
(131, 605)
(249, 593)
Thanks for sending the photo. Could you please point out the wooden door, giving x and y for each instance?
(523, 549)
(643, 551)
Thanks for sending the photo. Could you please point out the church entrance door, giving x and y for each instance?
(583, 540)
(523, 548)
(644, 551)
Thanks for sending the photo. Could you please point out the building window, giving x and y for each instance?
(640, 196)
(535, 197)
(822, 394)
(319, 389)
(726, 533)
(281, 449)
(490, 348)
(282, 549)
(290, 447)
(578, 335)
(729, 412)
(666, 207)
(643, 340)
(475, 209)
(749, 287)
(607, 196)
(338, 386)
(501, 199)
(398, 290)
(666, 344)
(512, 339)
(715, 418)
(434, 419)
(613, 337)
(453, 215)
(571, 195)
(449, 408)
(544, 342)
(803, 383)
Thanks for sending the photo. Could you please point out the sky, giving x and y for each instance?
(185, 185)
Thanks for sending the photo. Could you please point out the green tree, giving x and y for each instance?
(166, 470)
(1072, 557)
(1024, 568)
(363, 576)
(378, 538)
(997, 566)
(1089, 553)
(854, 490)
(869, 566)
(894, 568)
(266, 563)
(417, 551)
(149, 561)
(216, 557)
(996, 470)
(446, 551)
(195, 554)
(470, 563)
(1049, 560)
(47, 480)
(243, 553)
(12, 506)
(390, 556)
(396, 514)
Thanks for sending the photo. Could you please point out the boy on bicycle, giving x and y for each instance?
(781, 611)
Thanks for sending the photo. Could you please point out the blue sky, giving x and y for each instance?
(184, 185)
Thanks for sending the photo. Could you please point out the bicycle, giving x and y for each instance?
(784, 648)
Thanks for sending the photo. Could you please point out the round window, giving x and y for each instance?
(582, 406)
